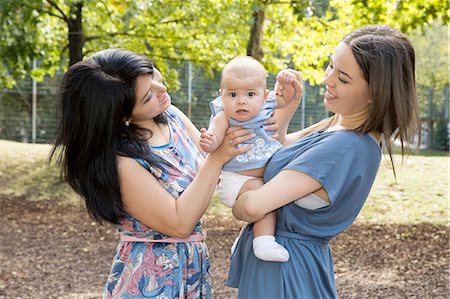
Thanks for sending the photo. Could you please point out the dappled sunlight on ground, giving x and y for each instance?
(53, 250)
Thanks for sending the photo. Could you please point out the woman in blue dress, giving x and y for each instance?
(370, 88)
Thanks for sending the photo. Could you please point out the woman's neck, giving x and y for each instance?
(349, 122)
(161, 135)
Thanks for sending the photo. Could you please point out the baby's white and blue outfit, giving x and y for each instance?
(263, 148)
(258, 156)
(265, 247)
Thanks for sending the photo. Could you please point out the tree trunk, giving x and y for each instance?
(254, 47)
(430, 119)
(76, 36)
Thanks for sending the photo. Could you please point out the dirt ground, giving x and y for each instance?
(53, 250)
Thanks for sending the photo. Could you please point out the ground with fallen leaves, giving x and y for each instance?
(50, 249)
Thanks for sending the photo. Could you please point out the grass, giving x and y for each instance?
(420, 194)
(26, 172)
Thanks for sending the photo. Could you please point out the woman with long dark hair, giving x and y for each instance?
(133, 157)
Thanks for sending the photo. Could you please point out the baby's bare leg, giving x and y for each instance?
(252, 184)
(266, 225)
(264, 245)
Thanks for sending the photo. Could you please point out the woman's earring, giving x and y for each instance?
(127, 122)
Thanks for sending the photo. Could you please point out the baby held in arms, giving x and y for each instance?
(245, 102)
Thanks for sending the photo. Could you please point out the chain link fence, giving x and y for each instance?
(28, 118)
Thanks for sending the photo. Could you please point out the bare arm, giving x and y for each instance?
(211, 139)
(285, 187)
(289, 92)
(146, 200)
(282, 117)
(288, 98)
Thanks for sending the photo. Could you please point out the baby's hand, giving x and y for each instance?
(206, 141)
(289, 85)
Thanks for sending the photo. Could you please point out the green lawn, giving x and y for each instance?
(25, 171)
(421, 193)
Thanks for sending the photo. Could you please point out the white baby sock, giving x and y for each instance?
(267, 249)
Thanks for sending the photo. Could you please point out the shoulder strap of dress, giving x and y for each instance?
(143, 163)
(173, 115)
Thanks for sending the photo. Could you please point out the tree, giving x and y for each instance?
(167, 31)
(303, 33)
(296, 33)
(254, 45)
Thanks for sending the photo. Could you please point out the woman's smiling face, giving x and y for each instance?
(347, 91)
(151, 97)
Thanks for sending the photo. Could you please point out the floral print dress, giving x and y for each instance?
(160, 269)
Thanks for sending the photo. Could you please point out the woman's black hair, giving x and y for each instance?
(96, 96)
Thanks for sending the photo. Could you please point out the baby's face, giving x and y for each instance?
(243, 98)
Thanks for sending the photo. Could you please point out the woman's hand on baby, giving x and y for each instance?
(233, 137)
(271, 126)
(236, 135)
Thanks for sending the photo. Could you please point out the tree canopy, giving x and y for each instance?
(297, 33)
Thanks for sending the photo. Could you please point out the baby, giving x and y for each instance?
(245, 102)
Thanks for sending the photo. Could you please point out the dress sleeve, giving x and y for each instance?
(329, 162)
(215, 106)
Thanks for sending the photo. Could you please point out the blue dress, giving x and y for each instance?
(345, 163)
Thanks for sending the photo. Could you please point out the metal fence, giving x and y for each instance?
(26, 117)
(28, 111)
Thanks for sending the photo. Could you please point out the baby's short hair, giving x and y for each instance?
(242, 67)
